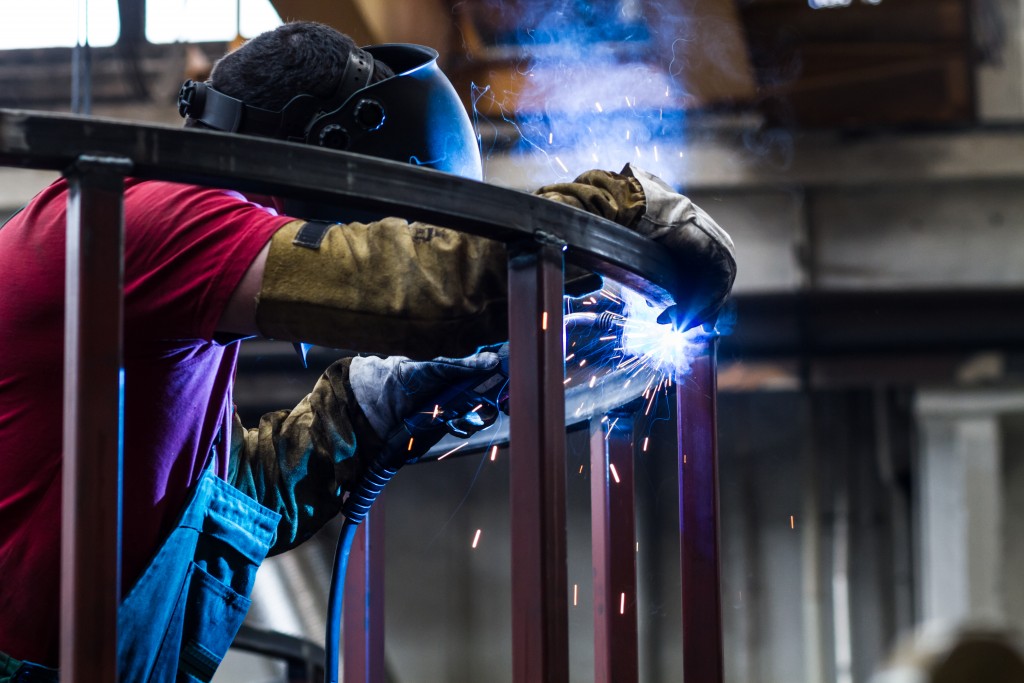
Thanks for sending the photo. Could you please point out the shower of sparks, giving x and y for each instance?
(476, 538)
(615, 473)
(461, 445)
(494, 453)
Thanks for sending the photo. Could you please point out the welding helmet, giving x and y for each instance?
(415, 116)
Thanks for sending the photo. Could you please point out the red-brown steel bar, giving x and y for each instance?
(540, 623)
(91, 503)
(363, 629)
(613, 532)
(698, 518)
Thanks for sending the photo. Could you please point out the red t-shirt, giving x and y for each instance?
(186, 249)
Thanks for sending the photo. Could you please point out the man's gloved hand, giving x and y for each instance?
(640, 201)
(394, 391)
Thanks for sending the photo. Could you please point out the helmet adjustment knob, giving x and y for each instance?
(370, 114)
(334, 136)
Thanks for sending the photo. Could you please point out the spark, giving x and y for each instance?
(575, 594)
(627, 133)
(598, 106)
(461, 445)
(476, 538)
(684, 458)
(566, 381)
(792, 522)
(478, 407)
(593, 155)
(583, 362)
(437, 411)
(551, 137)
(593, 381)
(581, 469)
(666, 91)
(637, 148)
(646, 440)
(638, 546)
(544, 320)
(410, 443)
(655, 152)
(609, 338)
(628, 103)
(494, 453)
(564, 168)
(570, 357)
(622, 603)
(615, 473)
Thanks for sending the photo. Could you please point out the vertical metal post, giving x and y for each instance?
(363, 630)
(540, 620)
(698, 520)
(93, 403)
(613, 530)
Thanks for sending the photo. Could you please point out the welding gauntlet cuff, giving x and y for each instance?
(301, 462)
(703, 252)
(389, 286)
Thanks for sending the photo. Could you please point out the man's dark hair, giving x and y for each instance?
(294, 59)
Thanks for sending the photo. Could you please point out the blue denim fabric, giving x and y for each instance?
(178, 620)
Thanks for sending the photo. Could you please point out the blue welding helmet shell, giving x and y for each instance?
(415, 116)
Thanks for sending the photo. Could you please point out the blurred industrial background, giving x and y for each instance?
(867, 157)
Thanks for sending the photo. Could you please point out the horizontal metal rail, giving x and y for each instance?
(55, 141)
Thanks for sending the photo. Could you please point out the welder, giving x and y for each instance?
(205, 498)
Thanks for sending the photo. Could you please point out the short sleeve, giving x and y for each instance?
(186, 250)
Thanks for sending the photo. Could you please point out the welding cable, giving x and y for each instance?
(356, 507)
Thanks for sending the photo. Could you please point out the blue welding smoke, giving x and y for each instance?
(596, 86)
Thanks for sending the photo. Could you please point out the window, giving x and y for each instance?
(58, 23)
(195, 21)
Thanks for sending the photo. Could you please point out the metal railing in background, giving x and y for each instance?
(95, 155)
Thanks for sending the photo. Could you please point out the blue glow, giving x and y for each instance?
(663, 348)
(597, 87)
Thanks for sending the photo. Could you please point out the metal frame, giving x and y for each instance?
(539, 233)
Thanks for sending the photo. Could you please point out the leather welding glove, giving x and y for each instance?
(301, 462)
(394, 389)
(704, 252)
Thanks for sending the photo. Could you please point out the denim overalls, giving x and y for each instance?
(178, 620)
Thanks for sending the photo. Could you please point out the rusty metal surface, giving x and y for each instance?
(540, 620)
(91, 510)
(613, 533)
(356, 182)
(698, 522)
